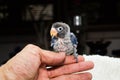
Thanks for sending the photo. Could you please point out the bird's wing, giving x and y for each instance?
(73, 39)
(53, 40)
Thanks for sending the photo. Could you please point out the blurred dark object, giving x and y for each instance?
(116, 53)
(12, 54)
(15, 51)
(99, 47)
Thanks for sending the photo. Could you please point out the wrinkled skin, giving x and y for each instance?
(31, 62)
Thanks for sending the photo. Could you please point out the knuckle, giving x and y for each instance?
(30, 45)
(33, 48)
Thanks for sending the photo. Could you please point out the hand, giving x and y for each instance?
(31, 63)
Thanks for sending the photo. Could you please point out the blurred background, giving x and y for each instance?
(96, 24)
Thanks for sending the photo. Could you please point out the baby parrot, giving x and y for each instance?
(62, 40)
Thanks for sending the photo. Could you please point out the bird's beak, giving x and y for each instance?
(53, 32)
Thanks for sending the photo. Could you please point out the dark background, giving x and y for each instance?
(16, 32)
(97, 12)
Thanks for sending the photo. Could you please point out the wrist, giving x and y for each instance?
(2, 74)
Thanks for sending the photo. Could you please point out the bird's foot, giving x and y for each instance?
(76, 57)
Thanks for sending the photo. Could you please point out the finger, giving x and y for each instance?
(71, 59)
(71, 68)
(68, 60)
(81, 76)
(52, 58)
(42, 74)
(44, 56)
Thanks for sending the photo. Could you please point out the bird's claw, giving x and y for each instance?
(76, 57)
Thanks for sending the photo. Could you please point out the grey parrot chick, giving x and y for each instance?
(62, 40)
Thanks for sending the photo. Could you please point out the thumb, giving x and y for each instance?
(52, 58)
(45, 56)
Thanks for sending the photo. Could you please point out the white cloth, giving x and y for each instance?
(105, 68)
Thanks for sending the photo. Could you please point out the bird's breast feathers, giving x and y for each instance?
(63, 45)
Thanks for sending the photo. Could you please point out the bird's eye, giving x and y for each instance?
(60, 29)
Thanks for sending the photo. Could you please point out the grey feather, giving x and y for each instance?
(65, 42)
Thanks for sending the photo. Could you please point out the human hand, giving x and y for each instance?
(31, 63)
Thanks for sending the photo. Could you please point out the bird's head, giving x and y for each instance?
(60, 30)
